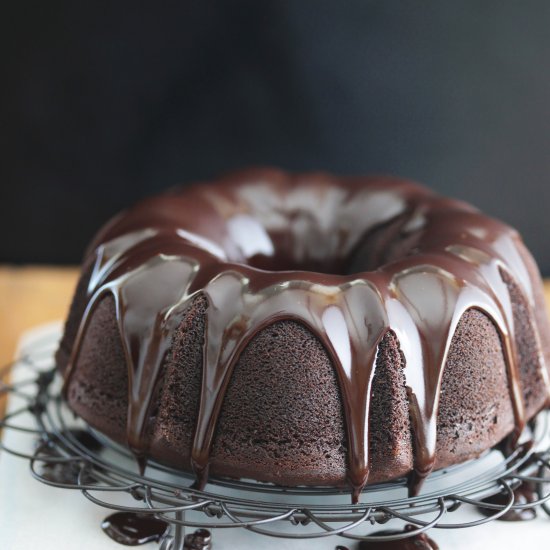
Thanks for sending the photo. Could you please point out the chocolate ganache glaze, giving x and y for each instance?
(524, 494)
(420, 541)
(349, 258)
(133, 529)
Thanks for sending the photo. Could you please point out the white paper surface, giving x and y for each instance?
(36, 516)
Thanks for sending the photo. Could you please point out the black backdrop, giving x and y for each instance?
(104, 102)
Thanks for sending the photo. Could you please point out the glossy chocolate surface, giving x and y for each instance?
(201, 539)
(134, 529)
(349, 258)
(412, 542)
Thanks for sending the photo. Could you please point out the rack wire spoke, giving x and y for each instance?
(328, 530)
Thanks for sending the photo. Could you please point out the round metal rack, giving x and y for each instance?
(106, 474)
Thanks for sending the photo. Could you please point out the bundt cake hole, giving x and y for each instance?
(337, 245)
(383, 243)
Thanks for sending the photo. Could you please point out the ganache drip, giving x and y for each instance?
(354, 259)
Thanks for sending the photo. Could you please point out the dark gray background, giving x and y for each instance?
(104, 102)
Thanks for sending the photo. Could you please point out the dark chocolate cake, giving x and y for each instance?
(307, 330)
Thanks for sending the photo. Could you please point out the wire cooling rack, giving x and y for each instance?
(106, 474)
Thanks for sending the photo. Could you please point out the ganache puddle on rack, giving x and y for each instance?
(524, 494)
(132, 529)
(65, 473)
(414, 542)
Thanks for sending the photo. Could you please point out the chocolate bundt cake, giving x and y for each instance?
(306, 330)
